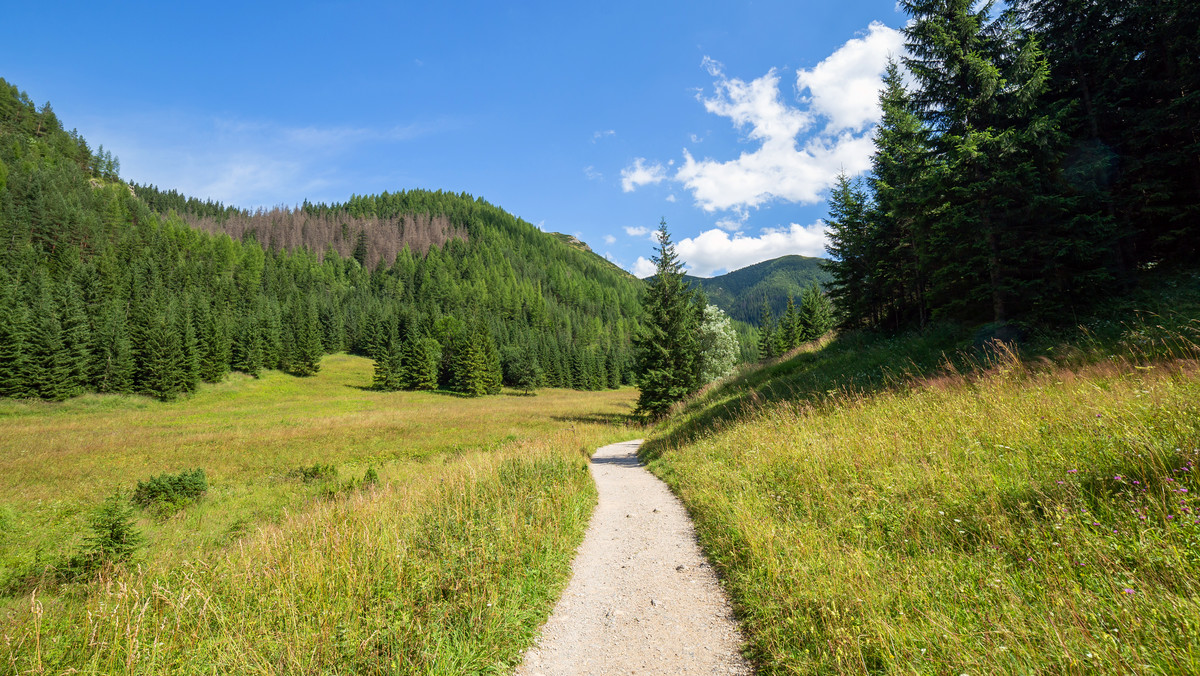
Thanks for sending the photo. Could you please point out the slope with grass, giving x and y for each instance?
(918, 505)
(291, 562)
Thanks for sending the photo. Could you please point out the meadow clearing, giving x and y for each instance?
(290, 562)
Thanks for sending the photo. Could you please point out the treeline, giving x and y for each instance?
(100, 292)
(1044, 156)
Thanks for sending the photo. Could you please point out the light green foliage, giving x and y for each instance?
(719, 348)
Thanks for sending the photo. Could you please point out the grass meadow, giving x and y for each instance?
(993, 515)
(448, 565)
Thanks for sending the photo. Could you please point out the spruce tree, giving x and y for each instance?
(667, 349)
(815, 316)
(768, 334)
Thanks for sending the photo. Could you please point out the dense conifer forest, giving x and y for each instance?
(108, 287)
(1042, 158)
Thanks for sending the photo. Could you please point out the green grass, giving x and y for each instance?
(447, 567)
(872, 511)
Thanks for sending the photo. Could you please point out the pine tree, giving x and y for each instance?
(789, 326)
(14, 348)
(768, 334)
(112, 351)
(851, 256)
(668, 358)
(389, 368)
(815, 316)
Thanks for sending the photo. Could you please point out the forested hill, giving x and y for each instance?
(110, 288)
(741, 293)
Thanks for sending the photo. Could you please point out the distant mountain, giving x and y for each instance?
(740, 293)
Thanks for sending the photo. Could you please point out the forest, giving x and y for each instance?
(1042, 157)
(109, 287)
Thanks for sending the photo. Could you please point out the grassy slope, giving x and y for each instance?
(873, 511)
(448, 567)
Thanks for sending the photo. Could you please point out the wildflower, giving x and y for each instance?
(1129, 591)
(1072, 471)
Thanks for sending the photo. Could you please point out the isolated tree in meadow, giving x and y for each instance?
(667, 349)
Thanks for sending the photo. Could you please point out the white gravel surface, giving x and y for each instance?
(642, 598)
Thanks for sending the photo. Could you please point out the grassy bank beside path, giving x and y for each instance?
(1023, 519)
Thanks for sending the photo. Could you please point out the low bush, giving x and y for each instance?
(171, 489)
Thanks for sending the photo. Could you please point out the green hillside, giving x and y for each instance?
(740, 293)
(114, 288)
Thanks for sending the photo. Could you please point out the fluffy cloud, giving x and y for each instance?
(844, 88)
(636, 231)
(716, 250)
(640, 173)
(800, 149)
(609, 239)
(643, 268)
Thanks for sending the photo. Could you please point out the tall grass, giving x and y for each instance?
(447, 566)
(1017, 517)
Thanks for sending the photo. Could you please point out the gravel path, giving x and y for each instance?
(642, 598)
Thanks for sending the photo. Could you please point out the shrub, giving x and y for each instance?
(171, 489)
(370, 479)
(315, 472)
(113, 537)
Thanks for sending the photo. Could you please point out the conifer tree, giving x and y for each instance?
(112, 352)
(668, 357)
(14, 348)
(768, 334)
(789, 326)
(815, 316)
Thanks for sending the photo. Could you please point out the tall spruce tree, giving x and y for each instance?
(667, 349)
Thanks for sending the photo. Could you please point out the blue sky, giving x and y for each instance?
(728, 119)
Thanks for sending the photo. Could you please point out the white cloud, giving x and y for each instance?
(609, 239)
(844, 88)
(592, 174)
(800, 148)
(640, 173)
(636, 231)
(671, 197)
(643, 268)
(603, 134)
(717, 250)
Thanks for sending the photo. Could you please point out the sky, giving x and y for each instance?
(730, 120)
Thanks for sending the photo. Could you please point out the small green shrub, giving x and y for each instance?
(113, 537)
(171, 489)
(370, 479)
(315, 472)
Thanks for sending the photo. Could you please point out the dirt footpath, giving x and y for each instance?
(642, 598)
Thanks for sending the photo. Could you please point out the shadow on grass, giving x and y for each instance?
(599, 418)
(444, 393)
(849, 366)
